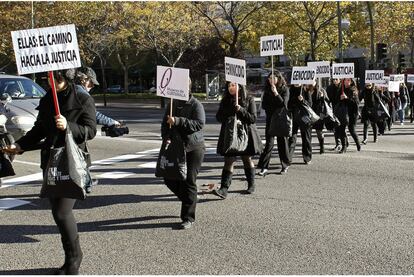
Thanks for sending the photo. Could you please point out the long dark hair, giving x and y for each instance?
(281, 82)
(228, 98)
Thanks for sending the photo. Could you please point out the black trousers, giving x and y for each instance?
(186, 191)
(62, 210)
(374, 129)
(305, 133)
(351, 128)
(282, 148)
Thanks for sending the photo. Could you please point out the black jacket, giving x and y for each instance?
(352, 101)
(294, 102)
(334, 93)
(190, 119)
(271, 103)
(247, 115)
(79, 111)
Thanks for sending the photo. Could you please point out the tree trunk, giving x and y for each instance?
(371, 23)
(124, 66)
(412, 52)
(104, 85)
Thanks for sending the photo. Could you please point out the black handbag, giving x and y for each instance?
(67, 172)
(281, 123)
(307, 115)
(235, 136)
(329, 119)
(380, 112)
(341, 112)
(6, 167)
(171, 162)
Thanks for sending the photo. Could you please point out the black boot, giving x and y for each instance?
(226, 177)
(75, 256)
(250, 173)
(321, 146)
(344, 146)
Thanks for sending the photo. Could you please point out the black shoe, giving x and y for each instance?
(186, 225)
(364, 141)
(222, 193)
(308, 162)
(284, 170)
(358, 147)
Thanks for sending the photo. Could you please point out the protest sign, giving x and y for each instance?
(302, 75)
(322, 69)
(393, 86)
(271, 45)
(235, 70)
(385, 84)
(399, 78)
(343, 70)
(173, 82)
(46, 49)
(410, 78)
(374, 77)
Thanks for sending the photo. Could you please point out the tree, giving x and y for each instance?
(230, 20)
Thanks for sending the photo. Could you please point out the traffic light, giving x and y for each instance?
(402, 63)
(381, 52)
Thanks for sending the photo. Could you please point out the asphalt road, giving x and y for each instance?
(343, 214)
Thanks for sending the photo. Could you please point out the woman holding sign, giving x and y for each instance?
(188, 120)
(350, 97)
(245, 111)
(275, 98)
(77, 114)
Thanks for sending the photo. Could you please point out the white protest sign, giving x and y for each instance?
(271, 45)
(385, 84)
(374, 76)
(393, 86)
(410, 79)
(343, 70)
(322, 69)
(302, 75)
(235, 70)
(399, 78)
(173, 82)
(46, 49)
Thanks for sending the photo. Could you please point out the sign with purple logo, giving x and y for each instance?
(173, 82)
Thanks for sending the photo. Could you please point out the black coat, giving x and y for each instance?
(271, 103)
(334, 93)
(247, 115)
(352, 101)
(190, 119)
(79, 111)
(318, 105)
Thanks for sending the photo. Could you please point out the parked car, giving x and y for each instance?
(115, 89)
(23, 97)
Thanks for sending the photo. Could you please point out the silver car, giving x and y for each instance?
(20, 110)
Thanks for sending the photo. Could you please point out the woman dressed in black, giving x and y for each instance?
(319, 96)
(334, 91)
(246, 113)
(351, 98)
(276, 96)
(371, 98)
(188, 119)
(78, 113)
(297, 97)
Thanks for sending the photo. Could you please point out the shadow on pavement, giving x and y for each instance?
(34, 271)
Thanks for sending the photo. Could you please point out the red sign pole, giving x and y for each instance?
(55, 99)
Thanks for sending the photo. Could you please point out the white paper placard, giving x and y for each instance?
(343, 70)
(374, 76)
(271, 45)
(322, 69)
(235, 70)
(393, 86)
(173, 82)
(302, 75)
(400, 78)
(46, 49)
(385, 84)
(410, 78)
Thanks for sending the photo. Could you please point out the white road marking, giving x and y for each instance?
(24, 162)
(9, 203)
(21, 180)
(148, 165)
(115, 175)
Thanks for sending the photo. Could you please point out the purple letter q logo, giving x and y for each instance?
(165, 80)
